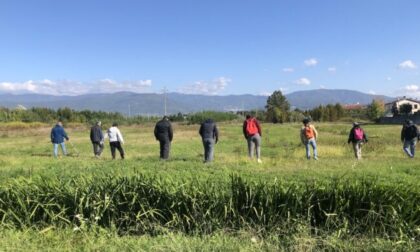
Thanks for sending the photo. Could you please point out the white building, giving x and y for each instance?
(400, 101)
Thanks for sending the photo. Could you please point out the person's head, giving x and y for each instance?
(248, 116)
(305, 121)
(356, 124)
(114, 124)
(166, 118)
(408, 122)
(59, 123)
(99, 123)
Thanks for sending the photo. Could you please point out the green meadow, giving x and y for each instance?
(79, 202)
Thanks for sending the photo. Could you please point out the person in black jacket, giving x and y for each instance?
(210, 136)
(97, 139)
(409, 136)
(358, 137)
(164, 134)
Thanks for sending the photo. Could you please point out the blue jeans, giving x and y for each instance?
(63, 148)
(311, 142)
(410, 147)
(208, 144)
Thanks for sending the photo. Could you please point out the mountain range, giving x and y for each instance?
(153, 104)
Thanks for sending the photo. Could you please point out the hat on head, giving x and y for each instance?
(306, 120)
(356, 124)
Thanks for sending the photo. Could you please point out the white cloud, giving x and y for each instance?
(408, 64)
(288, 70)
(303, 82)
(266, 93)
(388, 78)
(372, 92)
(411, 88)
(322, 87)
(311, 62)
(69, 87)
(213, 87)
(332, 69)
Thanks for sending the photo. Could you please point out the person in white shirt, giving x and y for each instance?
(115, 140)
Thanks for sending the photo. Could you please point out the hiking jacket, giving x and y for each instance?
(96, 135)
(114, 135)
(352, 137)
(256, 123)
(58, 134)
(163, 130)
(303, 135)
(208, 129)
(406, 132)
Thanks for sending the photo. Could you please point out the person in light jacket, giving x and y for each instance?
(115, 140)
(210, 136)
(308, 137)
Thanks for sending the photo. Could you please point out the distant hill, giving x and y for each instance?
(313, 98)
(135, 104)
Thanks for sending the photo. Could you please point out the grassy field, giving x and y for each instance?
(141, 203)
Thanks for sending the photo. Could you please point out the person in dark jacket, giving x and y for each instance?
(409, 136)
(252, 132)
(97, 139)
(358, 137)
(58, 134)
(164, 134)
(210, 136)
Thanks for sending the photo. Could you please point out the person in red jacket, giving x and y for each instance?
(252, 133)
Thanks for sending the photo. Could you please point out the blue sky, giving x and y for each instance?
(209, 47)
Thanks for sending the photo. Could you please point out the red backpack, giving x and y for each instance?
(251, 127)
(358, 134)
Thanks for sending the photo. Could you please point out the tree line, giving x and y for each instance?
(277, 110)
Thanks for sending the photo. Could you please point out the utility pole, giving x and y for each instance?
(164, 97)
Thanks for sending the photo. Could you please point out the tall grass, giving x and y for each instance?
(150, 205)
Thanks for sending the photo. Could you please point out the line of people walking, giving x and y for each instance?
(209, 133)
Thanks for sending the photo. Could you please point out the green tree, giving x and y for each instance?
(376, 109)
(277, 108)
(406, 108)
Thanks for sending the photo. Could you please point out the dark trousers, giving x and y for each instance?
(208, 144)
(165, 146)
(97, 148)
(116, 145)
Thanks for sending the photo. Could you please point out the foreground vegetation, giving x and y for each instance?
(285, 203)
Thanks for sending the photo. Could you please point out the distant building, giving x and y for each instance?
(353, 106)
(400, 101)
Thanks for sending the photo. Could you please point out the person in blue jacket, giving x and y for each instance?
(58, 134)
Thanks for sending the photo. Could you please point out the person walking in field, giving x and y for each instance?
(210, 136)
(116, 140)
(97, 139)
(58, 134)
(164, 134)
(409, 136)
(358, 137)
(252, 133)
(308, 137)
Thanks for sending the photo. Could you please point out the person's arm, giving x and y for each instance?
(91, 134)
(351, 135)
(244, 129)
(65, 135)
(171, 132)
(365, 137)
(315, 132)
(302, 135)
(156, 132)
(216, 133)
(258, 127)
(402, 133)
(52, 135)
(120, 137)
(200, 131)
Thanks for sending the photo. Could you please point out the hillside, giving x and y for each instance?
(153, 104)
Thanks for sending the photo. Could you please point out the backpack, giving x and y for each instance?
(251, 127)
(411, 132)
(309, 132)
(358, 134)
